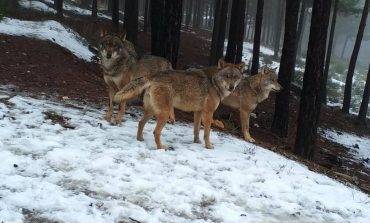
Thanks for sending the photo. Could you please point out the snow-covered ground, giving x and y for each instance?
(77, 10)
(358, 146)
(48, 30)
(95, 172)
(36, 5)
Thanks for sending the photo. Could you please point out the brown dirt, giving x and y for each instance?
(42, 67)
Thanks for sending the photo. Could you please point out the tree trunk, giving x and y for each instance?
(257, 37)
(166, 28)
(58, 4)
(131, 20)
(365, 100)
(323, 91)
(146, 15)
(301, 25)
(115, 15)
(94, 9)
(219, 28)
(310, 105)
(287, 68)
(189, 13)
(236, 33)
(279, 24)
(352, 63)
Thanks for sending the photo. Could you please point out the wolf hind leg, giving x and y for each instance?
(197, 123)
(147, 116)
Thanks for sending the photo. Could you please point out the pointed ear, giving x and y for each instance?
(221, 63)
(241, 67)
(103, 32)
(123, 36)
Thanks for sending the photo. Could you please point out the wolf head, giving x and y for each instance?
(228, 76)
(268, 80)
(114, 50)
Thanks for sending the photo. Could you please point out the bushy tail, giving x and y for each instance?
(132, 89)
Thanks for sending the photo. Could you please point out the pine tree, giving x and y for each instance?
(131, 20)
(365, 100)
(219, 28)
(257, 37)
(310, 105)
(236, 32)
(353, 60)
(287, 68)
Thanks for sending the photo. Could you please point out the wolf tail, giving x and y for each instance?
(132, 89)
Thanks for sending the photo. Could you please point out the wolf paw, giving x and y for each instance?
(140, 138)
(209, 146)
(249, 139)
(108, 117)
(197, 141)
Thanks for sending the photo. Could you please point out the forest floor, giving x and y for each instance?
(46, 70)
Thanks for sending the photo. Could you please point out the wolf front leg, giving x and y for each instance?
(244, 119)
(108, 115)
(207, 121)
(121, 112)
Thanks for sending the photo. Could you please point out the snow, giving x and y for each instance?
(358, 146)
(96, 172)
(36, 5)
(77, 10)
(48, 30)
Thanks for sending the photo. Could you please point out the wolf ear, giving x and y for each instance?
(221, 63)
(103, 32)
(123, 36)
(241, 67)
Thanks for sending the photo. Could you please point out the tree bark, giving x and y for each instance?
(58, 4)
(301, 25)
(365, 100)
(236, 32)
(353, 60)
(131, 20)
(166, 28)
(115, 15)
(323, 91)
(219, 28)
(257, 37)
(94, 9)
(279, 24)
(310, 105)
(146, 15)
(287, 69)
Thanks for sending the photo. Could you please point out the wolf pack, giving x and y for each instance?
(162, 88)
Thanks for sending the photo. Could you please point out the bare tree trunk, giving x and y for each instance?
(365, 100)
(287, 69)
(301, 25)
(131, 20)
(115, 15)
(352, 63)
(323, 91)
(309, 109)
(58, 4)
(146, 15)
(219, 28)
(236, 33)
(257, 37)
(166, 28)
(94, 9)
(279, 24)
